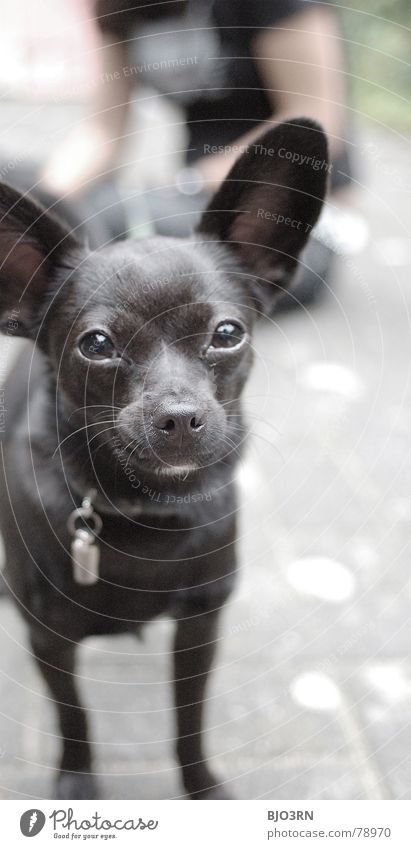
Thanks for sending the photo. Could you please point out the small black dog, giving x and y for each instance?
(128, 410)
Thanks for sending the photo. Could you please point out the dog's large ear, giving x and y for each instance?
(31, 242)
(269, 202)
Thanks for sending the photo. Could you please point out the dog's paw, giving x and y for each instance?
(76, 785)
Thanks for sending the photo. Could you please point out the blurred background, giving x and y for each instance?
(312, 692)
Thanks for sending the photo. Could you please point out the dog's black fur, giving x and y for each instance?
(165, 401)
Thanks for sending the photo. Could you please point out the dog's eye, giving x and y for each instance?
(228, 334)
(97, 346)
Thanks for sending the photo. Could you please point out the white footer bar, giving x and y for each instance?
(207, 825)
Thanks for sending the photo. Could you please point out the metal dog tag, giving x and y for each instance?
(85, 551)
(85, 555)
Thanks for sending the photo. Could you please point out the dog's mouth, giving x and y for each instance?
(165, 464)
(181, 471)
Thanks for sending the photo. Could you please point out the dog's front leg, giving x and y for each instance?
(56, 661)
(194, 650)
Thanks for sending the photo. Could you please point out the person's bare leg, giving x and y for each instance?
(301, 65)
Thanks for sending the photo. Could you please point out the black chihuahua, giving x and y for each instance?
(124, 424)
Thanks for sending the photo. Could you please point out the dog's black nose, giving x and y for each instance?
(178, 420)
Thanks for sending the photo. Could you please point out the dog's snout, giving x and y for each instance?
(180, 419)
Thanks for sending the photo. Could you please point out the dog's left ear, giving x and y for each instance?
(267, 206)
(32, 243)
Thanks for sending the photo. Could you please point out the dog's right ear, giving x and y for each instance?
(32, 243)
(268, 204)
